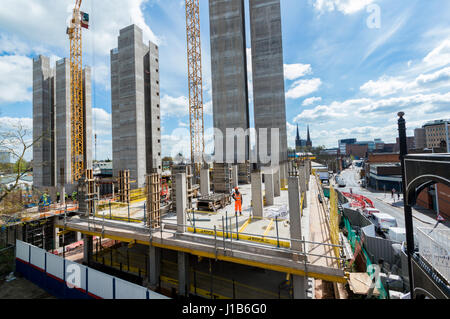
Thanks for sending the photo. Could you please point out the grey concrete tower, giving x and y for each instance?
(268, 71)
(87, 103)
(44, 151)
(63, 143)
(63, 125)
(136, 127)
(229, 69)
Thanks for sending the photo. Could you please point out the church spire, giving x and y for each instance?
(308, 139)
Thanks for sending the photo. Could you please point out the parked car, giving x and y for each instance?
(396, 234)
(383, 222)
(367, 212)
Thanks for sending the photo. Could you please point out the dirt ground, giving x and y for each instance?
(21, 288)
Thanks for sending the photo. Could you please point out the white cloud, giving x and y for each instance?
(10, 123)
(311, 101)
(16, 78)
(174, 106)
(344, 6)
(101, 122)
(440, 55)
(369, 110)
(385, 85)
(302, 88)
(44, 24)
(295, 71)
(438, 76)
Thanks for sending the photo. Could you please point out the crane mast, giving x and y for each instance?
(76, 94)
(194, 56)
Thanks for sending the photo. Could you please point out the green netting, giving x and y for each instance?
(353, 238)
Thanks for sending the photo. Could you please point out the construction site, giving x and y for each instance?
(178, 232)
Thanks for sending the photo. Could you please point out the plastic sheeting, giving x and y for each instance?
(280, 212)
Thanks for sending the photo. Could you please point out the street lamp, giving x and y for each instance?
(407, 208)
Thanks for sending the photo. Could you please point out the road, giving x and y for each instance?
(385, 204)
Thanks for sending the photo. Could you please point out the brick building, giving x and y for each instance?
(357, 150)
(427, 199)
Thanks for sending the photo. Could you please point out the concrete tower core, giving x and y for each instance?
(63, 124)
(229, 73)
(135, 100)
(44, 151)
(268, 72)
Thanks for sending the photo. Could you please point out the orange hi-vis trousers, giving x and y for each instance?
(238, 204)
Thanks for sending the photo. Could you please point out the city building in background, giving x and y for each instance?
(436, 133)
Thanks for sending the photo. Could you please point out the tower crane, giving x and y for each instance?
(194, 56)
(79, 20)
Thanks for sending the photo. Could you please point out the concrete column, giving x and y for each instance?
(62, 195)
(183, 274)
(276, 183)
(154, 262)
(257, 194)
(55, 233)
(79, 236)
(181, 201)
(299, 284)
(88, 247)
(283, 175)
(295, 213)
(303, 183)
(204, 181)
(268, 182)
(234, 176)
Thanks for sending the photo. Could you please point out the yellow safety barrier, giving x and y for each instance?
(334, 224)
(254, 238)
(119, 218)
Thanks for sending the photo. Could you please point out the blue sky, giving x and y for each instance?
(342, 77)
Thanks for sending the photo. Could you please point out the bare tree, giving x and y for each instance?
(17, 142)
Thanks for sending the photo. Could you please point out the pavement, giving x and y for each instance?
(423, 218)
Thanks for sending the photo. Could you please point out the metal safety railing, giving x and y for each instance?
(225, 237)
(434, 247)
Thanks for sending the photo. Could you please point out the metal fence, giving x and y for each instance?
(434, 246)
(73, 277)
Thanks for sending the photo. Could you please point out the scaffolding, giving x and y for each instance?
(153, 200)
(124, 186)
(87, 193)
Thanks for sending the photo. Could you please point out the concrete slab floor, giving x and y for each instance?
(257, 227)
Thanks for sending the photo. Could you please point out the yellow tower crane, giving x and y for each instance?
(79, 20)
(194, 56)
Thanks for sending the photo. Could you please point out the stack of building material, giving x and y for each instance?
(244, 173)
(222, 178)
(87, 193)
(182, 169)
(124, 186)
(153, 200)
(213, 202)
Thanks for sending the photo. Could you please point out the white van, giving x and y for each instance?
(396, 234)
(383, 222)
(367, 212)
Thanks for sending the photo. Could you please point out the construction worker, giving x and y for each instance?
(237, 196)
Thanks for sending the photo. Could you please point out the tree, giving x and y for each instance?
(17, 142)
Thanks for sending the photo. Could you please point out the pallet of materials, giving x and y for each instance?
(244, 173)
(214, 202)
(222, 178)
